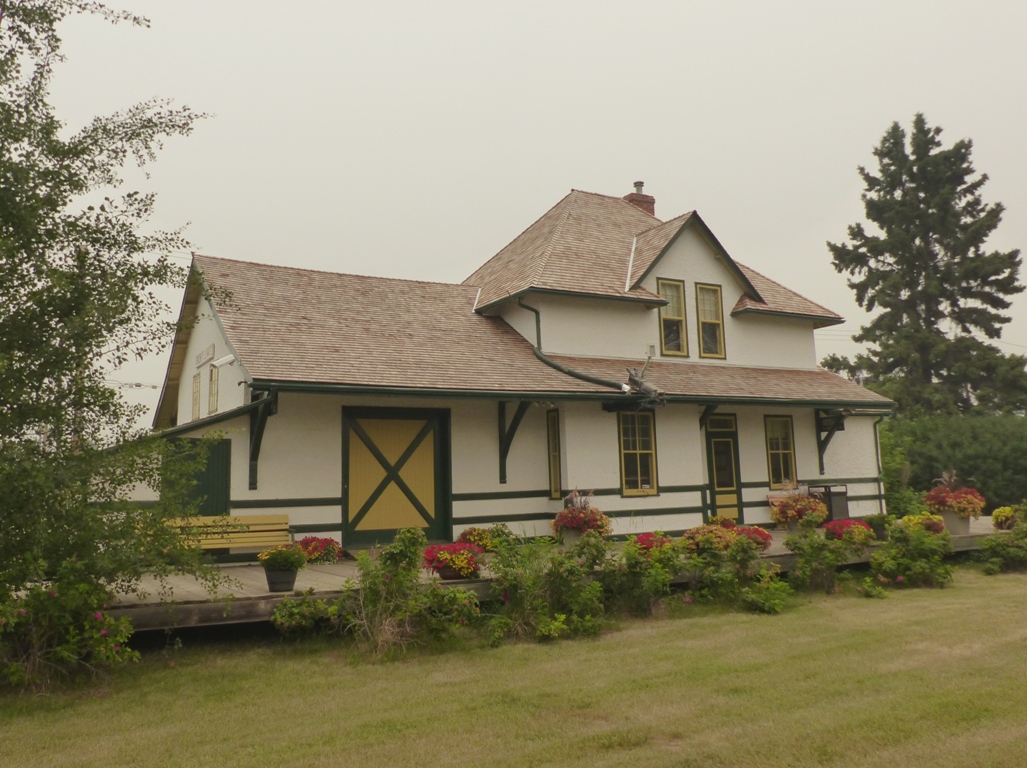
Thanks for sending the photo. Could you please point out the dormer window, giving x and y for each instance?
(672, 318)
(711, 320)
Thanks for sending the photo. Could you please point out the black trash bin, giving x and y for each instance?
(836, 497)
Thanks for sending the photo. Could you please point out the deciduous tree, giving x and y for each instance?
(77, 299)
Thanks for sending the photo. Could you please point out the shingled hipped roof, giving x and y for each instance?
(597, 245)
(302, 326)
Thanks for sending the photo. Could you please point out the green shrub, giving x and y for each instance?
(641, 573)
(818, 556)
(388, 606)
(303, 615)
(58, 628)
(988, 448)
(766, 593)
(544, 592)
(914, 556)
(1005, 552)
(722, 562)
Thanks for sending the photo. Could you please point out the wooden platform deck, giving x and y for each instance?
(246, 598)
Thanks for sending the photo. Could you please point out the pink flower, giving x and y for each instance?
(52, 593)
(98, 616)
(688, 601)
(104, 633)
(899, 579)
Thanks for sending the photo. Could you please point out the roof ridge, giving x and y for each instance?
(621, 199)
(498, 253)
(335, 274)
(786, 288)
(548, 250)
(664, 223)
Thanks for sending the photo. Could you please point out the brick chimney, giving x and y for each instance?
(642, 201)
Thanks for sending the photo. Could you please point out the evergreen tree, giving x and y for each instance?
(935, 287)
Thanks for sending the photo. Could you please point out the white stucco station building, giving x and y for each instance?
(361, 405)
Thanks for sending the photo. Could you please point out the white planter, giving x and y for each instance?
(956, 525)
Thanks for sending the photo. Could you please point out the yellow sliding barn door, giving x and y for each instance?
(392, 473)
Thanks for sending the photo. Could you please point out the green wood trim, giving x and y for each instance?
(820, 320)
(325, 501)
(841, 481)
(654, 301)
(267, 406)
(242, 410)
(316, 527)
(682, 489)
(866, 497)
(497, 495)
(507, 433)
(872, 408)
(544, 517)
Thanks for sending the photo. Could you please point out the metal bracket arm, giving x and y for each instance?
(258, 421)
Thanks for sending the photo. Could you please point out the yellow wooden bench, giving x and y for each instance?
(222, 532)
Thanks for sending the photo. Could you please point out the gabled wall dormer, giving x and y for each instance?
(608, 279)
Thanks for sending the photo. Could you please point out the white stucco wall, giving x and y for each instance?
(301, 459)
(231, 394)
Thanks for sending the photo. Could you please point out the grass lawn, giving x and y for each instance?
(925, 678)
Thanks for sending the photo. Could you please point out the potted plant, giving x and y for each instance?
(281, 564)
(578, 516)
(955, 506)
(454, 561)
(320, 549)
(879, 524)
(798, 508)
(1004, 519)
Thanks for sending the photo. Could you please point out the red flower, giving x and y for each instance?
(836, 529)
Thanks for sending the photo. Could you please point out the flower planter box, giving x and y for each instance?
(956, 525)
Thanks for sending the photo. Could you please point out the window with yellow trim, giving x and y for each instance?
(553, 434)
(780, 451)
(637, 454)
(212, 390)
(672, 318)
(196, 397)
(709, 308)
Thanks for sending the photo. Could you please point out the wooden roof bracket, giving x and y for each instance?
(268, 406)
(828, 424)
(704, 417)
(506, 434)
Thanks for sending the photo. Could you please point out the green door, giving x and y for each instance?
(722, 463)
(395, 473)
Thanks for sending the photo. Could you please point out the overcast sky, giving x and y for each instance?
(416, 139)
